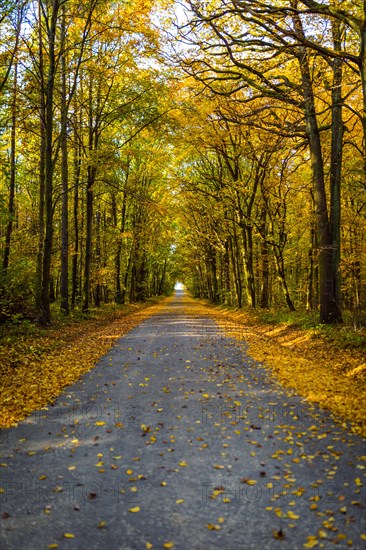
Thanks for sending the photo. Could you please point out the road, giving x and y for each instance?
(178, 438)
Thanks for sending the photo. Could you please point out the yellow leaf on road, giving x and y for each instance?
(312, 542)
(101, 524)
(213, 527)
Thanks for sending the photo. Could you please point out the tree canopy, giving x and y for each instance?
(221, 144)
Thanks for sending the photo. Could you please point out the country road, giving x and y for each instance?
(178, 439)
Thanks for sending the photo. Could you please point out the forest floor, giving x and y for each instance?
(326, 365)
(176, 439)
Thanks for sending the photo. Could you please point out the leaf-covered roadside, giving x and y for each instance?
(321, 369)
(34, 369)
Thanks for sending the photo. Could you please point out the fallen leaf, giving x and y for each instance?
(101, 524)
(213, 527)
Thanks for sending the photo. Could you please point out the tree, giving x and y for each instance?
(225, 66)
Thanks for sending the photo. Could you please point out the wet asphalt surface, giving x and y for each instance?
(178, 436)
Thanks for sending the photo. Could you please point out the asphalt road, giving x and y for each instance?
(178, 437)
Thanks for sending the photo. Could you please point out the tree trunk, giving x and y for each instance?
(64, 285)
(125, 280)
(310, 298)
(247, 234)
(160, 288)
(42, 150)
(88, 236)
(363, 81)
(212, 268)
(11, 202)
(329, 310)
(281, 274)
(91, 175)
(119, 297)
(336, 160)
(236, 269)
(45, 313)
(264, 259)
(76, 178)
(226, 274)
(97, 290)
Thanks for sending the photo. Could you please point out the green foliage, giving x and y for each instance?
(16, 295)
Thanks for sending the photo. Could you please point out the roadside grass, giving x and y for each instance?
(325, 364)
(37, 363)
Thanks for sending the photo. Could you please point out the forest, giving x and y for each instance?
(220, 144)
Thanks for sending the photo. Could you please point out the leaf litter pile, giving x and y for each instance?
(35, 369)
(304, 360)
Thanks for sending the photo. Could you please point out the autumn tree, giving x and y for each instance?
(227, 61)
